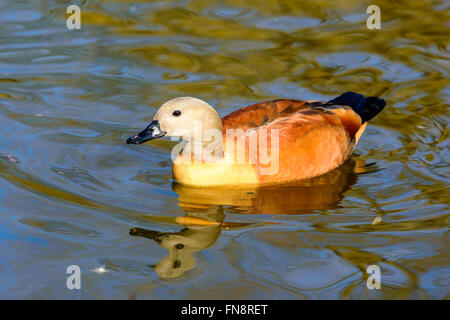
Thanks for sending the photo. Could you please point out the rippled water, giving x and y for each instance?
(72, 192)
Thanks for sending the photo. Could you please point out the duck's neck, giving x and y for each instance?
(206, 147)
(203, 151)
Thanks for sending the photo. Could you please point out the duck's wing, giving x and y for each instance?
(309, 143)
(259, 114)
(266, 112)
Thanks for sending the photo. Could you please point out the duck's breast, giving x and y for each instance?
(223, 172)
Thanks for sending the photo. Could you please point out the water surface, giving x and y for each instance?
(73, 193)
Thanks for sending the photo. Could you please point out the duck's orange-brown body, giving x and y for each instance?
(312, 140)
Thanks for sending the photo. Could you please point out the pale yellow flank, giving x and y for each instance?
(222, 172)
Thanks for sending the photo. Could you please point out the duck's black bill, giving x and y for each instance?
(152, 131)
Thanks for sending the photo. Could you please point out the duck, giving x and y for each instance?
(268, 143)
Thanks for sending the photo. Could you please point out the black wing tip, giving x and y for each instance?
(372, 107)
(366, 107)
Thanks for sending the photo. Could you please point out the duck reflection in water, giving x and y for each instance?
(202, 229)
(204, 219)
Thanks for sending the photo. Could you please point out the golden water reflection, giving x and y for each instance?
(205, 216)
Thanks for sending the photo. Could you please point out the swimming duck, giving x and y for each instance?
(271, 142)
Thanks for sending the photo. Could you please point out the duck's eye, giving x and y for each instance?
(176, 113)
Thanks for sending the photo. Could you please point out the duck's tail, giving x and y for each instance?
(367, 108)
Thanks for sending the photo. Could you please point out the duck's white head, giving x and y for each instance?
(184, 117)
